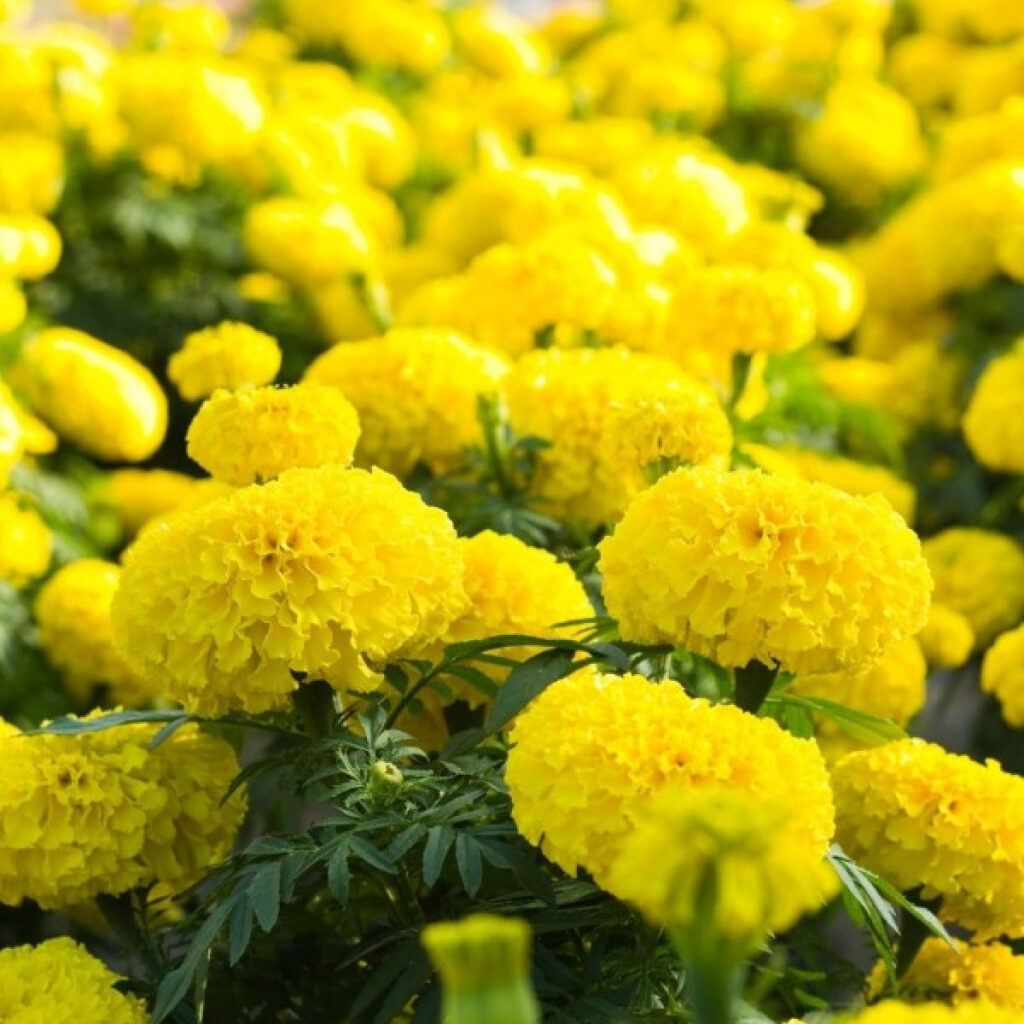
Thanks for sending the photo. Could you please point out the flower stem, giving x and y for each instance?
(713, 990)
(754, 682)
(314, 705)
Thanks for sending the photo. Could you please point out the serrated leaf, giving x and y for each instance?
(338, 874)
(239, 930)
(393, 966)
(463, 742)
(412, 979)
(470, 863)
(369, 853)
(439, 842)
(166, 731)
(860, 725)
(527, 681)
(405, 841)
(70, 726)
(265, 889)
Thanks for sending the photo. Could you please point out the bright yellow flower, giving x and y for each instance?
(731, 309)
(924, 68)
(689, 842)
(971, 142)
(255, 435)
(59, 981)
(992, 424)
(920, 816)
(92, 394)
(13, 305)
(100, 813)
(25, 542)
(979, 574)
(947, 638)
(30, 246)
(598, 144)
(182, 27)
(570, 398)
(989, 971)
(416, 393)
(1002, 674)
(32, 175)
(72, 615)
(315, 574)
(892, 688)
(743, 566)
(230, 355)
(139, 495)
(976, 1012)
(590, 750)
(498, 42)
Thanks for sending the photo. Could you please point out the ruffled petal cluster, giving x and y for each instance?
(920, 816)
(1002, 675)
(947, 638)
(991, 971)
(254, 435)
(59, 982)
(589, 751)
(229, 355)
(992, 424)
(977, 1012)
(741, 566)
(310, 575)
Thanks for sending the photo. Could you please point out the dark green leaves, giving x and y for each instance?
(860, 725)
(526, 681)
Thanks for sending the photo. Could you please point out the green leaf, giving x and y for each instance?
(859, 724)
(470, 863)
(439, 842)
(71, 726)
(369, 853)
(338, 874)
(527, 681)
(165, 732)
(265, 889)
(395, 964)
(239, 930)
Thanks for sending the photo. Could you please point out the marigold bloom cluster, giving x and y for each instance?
(920, 816)
(309, 575)
(947, 638)
(99, 812)
(589, 751)
(1002, 674)
(250, 436)
(992, 972)
(690, 841)
(975, 1012)
(59, 982)
(416, 393)
(979, 574)
(26, 542)
(140, 495)
(72, 613)
(742, 566)
(991, 423)
(230, 355)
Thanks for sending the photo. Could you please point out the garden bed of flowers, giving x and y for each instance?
(509, 520)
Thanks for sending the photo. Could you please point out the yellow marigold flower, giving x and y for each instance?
(866, 141)
(100, 813)
(976, 1012)
(72, 615)
(1002, 674)
(30, 246)
(511, 293)
(924, 67)
(569, 397)
(989, 971)
(20, 432)
(230, 355)
(855, 379)
(693, 194)
(892, 688)
(598, 144)
(979, 574)
(13, 305)
(744, 566)
(315, 573)
(920, 816)
(58, 980)
(498, 42)
(846, 475)
(924, 390)
(184, 28)
(32, 178)
(695, 841)
(971, 142)
(409, 34)
(25, 542)
(883, 333)
(251, 436)
(139, 495)
(305, 242)
(416, 393)
(988, 20)
(92, 394)
(739, 309)
(590, 750)
(991, 424)
(947, 638)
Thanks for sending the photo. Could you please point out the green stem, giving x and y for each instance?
(314, 704)
(713, 992)
(741, 363)
(754, 682)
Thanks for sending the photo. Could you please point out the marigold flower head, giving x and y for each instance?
(312, 574)
(571, 398)
(255, 435)
(230, 355)
(20, 433)
(139, 495)
(72, 615)
(846, 475)
(92, 394)
(920, 816)
(892, 688)
(989, 971)
(1002, 674)
(732, 309)
(693, 840)
(979, 574)
(99, 812)
(32, 180)
(976, 1012)
(25, 542)
(416, 392)
(947, 638)
(991, 424)
(30, 246)
(13, 305)
(590, 749)
(744, 566)
(58, 981)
